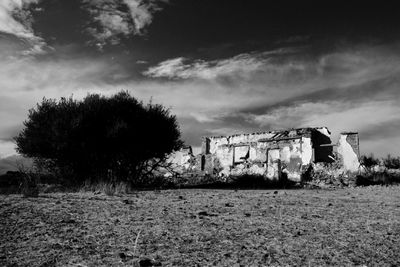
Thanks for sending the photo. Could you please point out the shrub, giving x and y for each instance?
(378, 178)
(369, 161)
(108, 139)
(391, 162)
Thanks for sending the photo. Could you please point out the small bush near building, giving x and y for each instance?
(369, 161)
(391, 162)
(378, 178)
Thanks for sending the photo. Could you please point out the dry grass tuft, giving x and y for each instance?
(107, 188)
(29, 186)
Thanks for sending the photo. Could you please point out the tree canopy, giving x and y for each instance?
(99, 137)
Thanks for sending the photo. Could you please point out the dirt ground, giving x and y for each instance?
(196, 227)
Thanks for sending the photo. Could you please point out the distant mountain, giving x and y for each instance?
(11, 163)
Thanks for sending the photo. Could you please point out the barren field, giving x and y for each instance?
(345, 227)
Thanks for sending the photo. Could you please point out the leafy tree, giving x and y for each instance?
(99, 138)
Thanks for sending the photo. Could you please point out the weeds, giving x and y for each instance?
(107, 188)
(29, 185)
(30, 179)
(136, 242)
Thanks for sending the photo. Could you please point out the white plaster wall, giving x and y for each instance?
(180, 158)
(181, 161)
(285, 154)
(261, 152)
(293, 149)
(294, 176)
(225, 156)
(306, 147)
(253, 153)
(297, 149)
(215, 143)
(256, 169)
(272, 168)
(296, 153)
(241, 153)
(349, 157)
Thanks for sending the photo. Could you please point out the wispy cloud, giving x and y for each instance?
(109, 21)
(142, 12)
(240, 65)
(115, 19)
(180, 68)
(8, 22)
(16, 20)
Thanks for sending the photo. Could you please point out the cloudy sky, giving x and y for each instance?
(222, 66)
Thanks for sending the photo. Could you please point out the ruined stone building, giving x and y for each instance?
(275, 154)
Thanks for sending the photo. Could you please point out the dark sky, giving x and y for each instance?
(213, 29)
(223, 66)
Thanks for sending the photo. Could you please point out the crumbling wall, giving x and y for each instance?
(276, 155)
(287, 158)
(182, 157)
(272, 154)
(348, 151)
(296, 155)
(216, 142)
(181, 161)
(234, 153)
